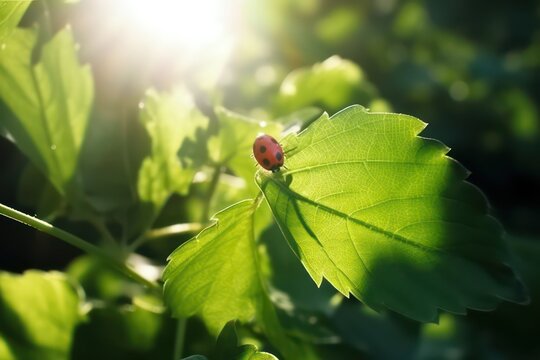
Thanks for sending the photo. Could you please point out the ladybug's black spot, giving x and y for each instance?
(279, 156)
(273, 140)
(266, 162)
(262, 149)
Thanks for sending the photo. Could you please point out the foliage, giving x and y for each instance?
(11, 13)
(128, 146)
(51, 124)
(38, 316)
(344, 174)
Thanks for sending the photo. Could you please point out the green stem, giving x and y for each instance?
(171, 230)
(179, 339)
(210, 193)
(77, 242)
(99, 224)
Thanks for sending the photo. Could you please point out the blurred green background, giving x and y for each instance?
(469, 69)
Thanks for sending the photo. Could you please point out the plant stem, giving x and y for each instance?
(99, 224)
(171, 230)
(77, 242)
(210, 193)
(179, 339)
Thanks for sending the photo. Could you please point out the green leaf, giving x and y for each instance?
(51, 100)
(385, 215)
(233, 145)
(227, 347)
(171, 120)
(217, 276)
(331, 84)
(201, 271)
(100, 281)
(38, 315)
(250, 352)
(11, 12)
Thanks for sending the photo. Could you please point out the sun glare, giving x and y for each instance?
(184, 25)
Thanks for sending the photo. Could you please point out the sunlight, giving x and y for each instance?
(184, 25)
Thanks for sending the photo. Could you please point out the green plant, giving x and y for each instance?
(363, 201)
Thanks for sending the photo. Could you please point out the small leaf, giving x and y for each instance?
(232, 147)
(331, 84)
(51, 101)
(385, 215)
(217, 276)
(100, 281)
(11, 12)
(227, 347)
(38, 314)
(171, 120)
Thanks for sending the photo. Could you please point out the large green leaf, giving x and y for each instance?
(38, 314)
(217, 276)
(385, 215)
(11, 12)
(51, 101)
(171, 119)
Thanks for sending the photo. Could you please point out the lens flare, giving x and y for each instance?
(190, 26)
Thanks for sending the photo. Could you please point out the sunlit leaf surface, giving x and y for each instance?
(51, 101)
(217, 276)
(11, 12)
(38, 315)
(385, 215)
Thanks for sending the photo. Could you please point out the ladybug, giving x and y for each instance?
(268, 152)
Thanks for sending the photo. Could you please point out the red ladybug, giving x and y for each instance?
(268, 152)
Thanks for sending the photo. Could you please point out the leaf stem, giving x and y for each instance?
(170, 230)
(99, 224)
(77, 242)
(179, 339)
(210, 193)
